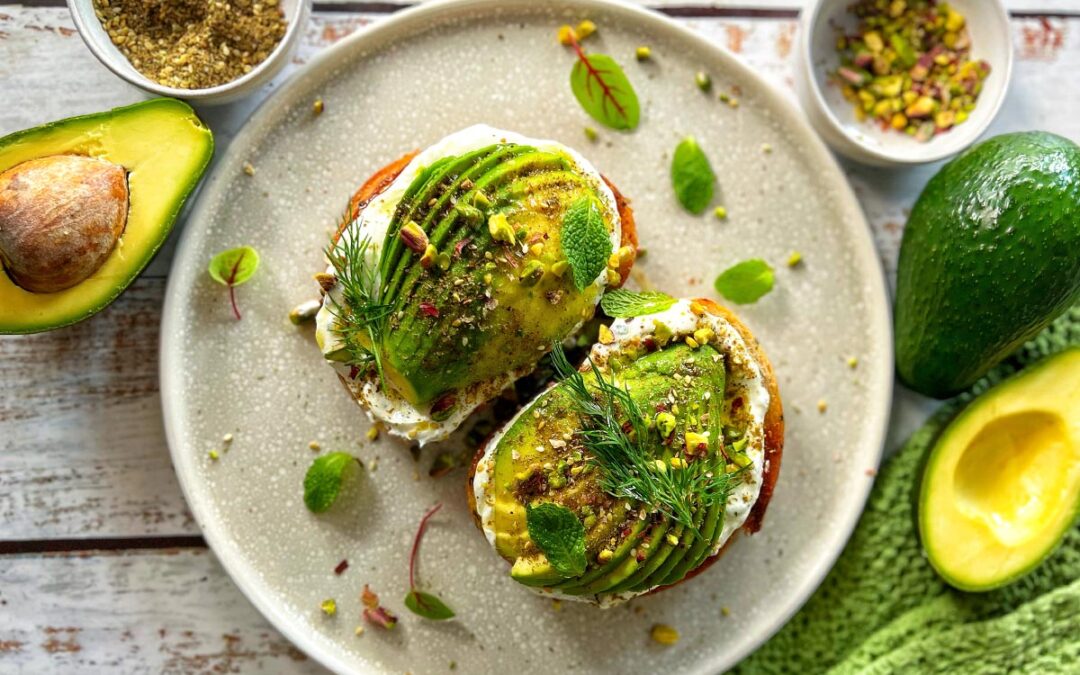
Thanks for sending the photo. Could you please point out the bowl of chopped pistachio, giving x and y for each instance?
(206, 52)
(902, 82)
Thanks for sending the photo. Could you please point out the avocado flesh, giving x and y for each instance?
(165, 149)
(699, 547)
(488, 321)
(988, 259)
(1002, 484)
(649, 380)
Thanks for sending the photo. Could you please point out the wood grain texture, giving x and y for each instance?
(165, 611)
(82, 453)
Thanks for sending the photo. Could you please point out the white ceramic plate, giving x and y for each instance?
(403, 84)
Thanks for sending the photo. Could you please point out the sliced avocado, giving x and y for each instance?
(1002, 484)
(630, 565)
(534, 571)
(620, 553)
(988, 259)
(699, 548)
(475, 317)
(659, 551)
(163, 148)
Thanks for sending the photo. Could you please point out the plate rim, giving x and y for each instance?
(243, 574)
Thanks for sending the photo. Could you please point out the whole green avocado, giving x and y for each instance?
(990, 256)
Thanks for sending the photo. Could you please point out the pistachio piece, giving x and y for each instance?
(414, 237)
(532, 273)
(430, 255)
(304, 312)
(500, 229)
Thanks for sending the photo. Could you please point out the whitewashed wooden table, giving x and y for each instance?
(102, 568)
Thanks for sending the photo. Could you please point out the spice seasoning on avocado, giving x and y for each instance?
(193, 44)
(908, 67)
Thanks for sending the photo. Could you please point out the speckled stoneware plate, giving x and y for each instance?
(404, 84)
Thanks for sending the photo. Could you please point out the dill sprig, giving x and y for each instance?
(361, 312)
(616, 432)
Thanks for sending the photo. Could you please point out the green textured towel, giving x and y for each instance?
(883, 609)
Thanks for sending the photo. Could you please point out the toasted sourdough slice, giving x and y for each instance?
(713, 407)
(463, 245)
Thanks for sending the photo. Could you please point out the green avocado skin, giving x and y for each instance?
(990, 256)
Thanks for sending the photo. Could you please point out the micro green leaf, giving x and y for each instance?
(586, 242)
(560, 535)
(692, 176)
(324, 479)
(620, 303)
(603, 90)
(232, 268)
(428, 606)
(745, 282)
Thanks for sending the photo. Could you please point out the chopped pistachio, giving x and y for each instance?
(605, 337)
(590, 133)
(696, 443)
(213, 454)
(329, 607)
(720, 212)
(664, 634)
(559, 268)
(585, 29)
(643, 53)
(794, 259)
(766, 148)
(249, 168)
(314, 446)
(566, 35)
(317, 107)
(605, 555)
(703, 81)
(304, 312)
(414, 237)
(613, 278)
(703, 335)
(442, 261)
(532, 273)
(373, 432)
(852, 362)
(665, 423)
(677, 463)
(692, 343)
(822, 406)
(672, 539)
(431, 254)
(500, 229)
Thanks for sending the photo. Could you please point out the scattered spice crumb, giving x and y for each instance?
(720, 212)
(249, 169)
(643, 53)
(341, 567)
(329, 607)
(822, 405)
(794, 259)
(314, 446)
(318, 106)
(664, 634)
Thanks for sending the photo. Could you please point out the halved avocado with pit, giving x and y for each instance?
(1002, 484)
(152, 153)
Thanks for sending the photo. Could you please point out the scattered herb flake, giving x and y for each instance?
(560, 535)
(745, 282)
(233, 267)
(324, 479)
(620, 303)
(692, 176)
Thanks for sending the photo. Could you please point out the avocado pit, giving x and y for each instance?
(60, 218)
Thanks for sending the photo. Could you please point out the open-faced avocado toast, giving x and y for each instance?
(456, 268)
(662, 445)
(86, 202)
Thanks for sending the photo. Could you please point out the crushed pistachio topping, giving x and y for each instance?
(720, 212)
(703, 81)
(317, 107)
(664, 634)
(643, 53)
(329, 607)
(585, 29)
(908, 66)
(590, 133)
(794, 259)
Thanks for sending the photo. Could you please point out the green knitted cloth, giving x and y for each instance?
(883, 609)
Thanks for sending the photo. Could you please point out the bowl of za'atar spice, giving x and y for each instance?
(900, 82)
(210, 51)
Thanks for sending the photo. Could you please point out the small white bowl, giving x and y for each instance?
(834, 118)
(95, 37)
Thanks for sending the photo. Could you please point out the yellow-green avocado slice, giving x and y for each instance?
(1002, 484)
(164, 148)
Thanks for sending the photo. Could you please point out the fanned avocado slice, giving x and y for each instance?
(630, 565)
(581, 585)
(699, 548)
(659, 553)
(158, 148)
(473, 270)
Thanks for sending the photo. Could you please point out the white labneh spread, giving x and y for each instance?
(399, 416)
(744, 375)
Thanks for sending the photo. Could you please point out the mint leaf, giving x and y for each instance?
(621, 303)
(692, 176)
(745, 282)
(428, 606)
(586, 242)
(601, 87)
(235, 266)
(560, 535)
(324, 478)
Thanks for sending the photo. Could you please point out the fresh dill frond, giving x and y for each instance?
(360, 313)
(616, 433)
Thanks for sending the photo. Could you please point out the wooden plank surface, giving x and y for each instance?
(83, 462)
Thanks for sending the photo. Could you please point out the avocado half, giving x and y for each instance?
(159, 148)
(712, 399)
(1002, 484)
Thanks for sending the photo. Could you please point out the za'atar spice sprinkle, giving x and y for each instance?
(193, 44)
